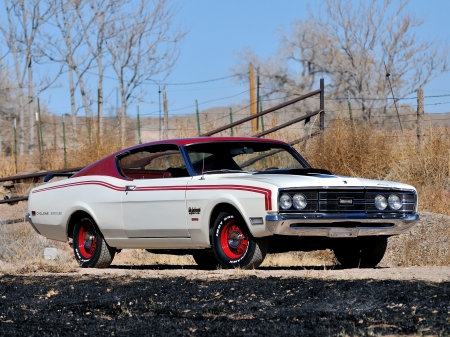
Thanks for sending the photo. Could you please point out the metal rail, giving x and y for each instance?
(39, 174)
(32, 176)
(320, 92)
(13, 200)
(293, 121)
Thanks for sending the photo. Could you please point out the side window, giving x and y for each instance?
(154, 162)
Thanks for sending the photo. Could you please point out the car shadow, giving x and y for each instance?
(153, 267)
(195, 267)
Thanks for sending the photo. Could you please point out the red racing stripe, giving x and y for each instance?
(81, 183)
(264, 191)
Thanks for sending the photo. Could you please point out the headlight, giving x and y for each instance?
(380, 202)
(299, 201)
(285, 201)
(395, 202)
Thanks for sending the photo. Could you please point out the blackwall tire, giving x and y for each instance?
(234, 246)
(90, 249)
(365, 252)
(206, 260)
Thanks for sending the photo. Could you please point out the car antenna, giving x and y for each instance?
(203, 167)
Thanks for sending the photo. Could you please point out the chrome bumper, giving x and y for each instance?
(28, 217)
(340, 225)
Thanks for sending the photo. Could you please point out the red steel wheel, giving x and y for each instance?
(89, 246)
(87, 239)
(234, 240)
(233, 244)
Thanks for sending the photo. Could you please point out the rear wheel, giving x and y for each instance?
(365, 252)
(90, 249)
(234, 246)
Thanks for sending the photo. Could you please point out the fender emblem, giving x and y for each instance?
(194, 210)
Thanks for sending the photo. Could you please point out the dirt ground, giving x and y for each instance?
(168, 301)
(405, 296)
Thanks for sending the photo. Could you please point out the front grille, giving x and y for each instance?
(345, 201)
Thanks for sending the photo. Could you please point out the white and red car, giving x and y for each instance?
(228, 201)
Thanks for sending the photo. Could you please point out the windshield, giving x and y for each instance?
(242, 156)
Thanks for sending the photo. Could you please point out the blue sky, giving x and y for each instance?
(220, 29)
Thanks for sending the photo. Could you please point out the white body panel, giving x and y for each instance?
(156, 214)
(156, 208)
(98, 196)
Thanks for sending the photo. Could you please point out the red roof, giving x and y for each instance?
(186, 141)
(107, 165)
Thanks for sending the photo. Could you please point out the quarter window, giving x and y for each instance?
(153, 163)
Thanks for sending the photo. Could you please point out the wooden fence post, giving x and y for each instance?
(420, 113)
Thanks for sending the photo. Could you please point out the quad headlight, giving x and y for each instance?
(394, 202)
(285, 201)
(380, 202)
(299, 201)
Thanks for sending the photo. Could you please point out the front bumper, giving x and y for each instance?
(340, 225)
(28, 217)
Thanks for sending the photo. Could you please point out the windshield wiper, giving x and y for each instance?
(224, 171)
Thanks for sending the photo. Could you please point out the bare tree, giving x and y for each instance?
(95, 35)
(143, 44)
(25, 18)
(71, 52)
(8, 102)
(348, 42)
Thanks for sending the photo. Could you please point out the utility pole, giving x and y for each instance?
(198, 118)
(166, 116)
(138, 124)
(253, 105)
(420, 112)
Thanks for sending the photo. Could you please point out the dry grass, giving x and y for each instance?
(360, 151)
(368, 153)
(142, 257)
(21, 245)
(323, 258)
(425, 245)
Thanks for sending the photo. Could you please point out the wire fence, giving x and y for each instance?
(53, 133)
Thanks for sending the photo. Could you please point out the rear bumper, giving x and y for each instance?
(28, 217)
(340, 225)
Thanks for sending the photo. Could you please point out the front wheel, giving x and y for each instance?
(234, 246)
(365, 252)
(90, 249)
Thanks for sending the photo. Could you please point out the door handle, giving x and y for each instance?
(130, 187)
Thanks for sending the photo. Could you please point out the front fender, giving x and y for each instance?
(247, 207)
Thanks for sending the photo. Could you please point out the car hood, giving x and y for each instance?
(316, 180)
